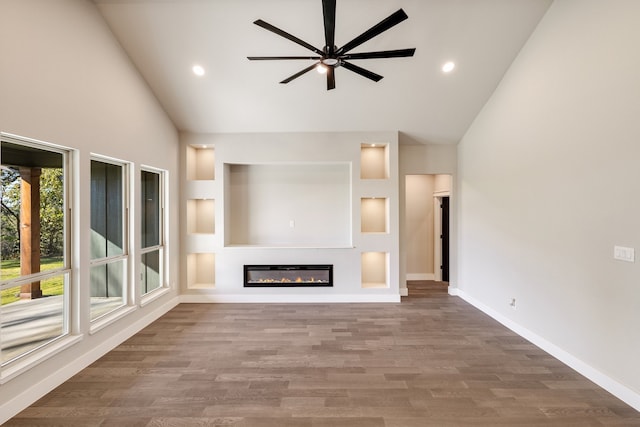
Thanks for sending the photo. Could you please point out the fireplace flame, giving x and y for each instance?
(288, 280)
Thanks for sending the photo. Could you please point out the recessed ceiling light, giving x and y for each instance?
(448, 67)
(198, 70)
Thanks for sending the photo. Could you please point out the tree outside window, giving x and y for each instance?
(34, 269)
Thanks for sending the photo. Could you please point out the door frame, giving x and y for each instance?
(437, 229)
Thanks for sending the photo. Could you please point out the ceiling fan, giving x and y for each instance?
(330, 56)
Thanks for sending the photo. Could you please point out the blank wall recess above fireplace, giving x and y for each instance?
(288, 205)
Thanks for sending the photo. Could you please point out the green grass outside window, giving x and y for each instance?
(10, 269)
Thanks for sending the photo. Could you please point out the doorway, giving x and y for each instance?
(427, 231)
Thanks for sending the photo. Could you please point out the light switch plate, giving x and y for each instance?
(624, 254)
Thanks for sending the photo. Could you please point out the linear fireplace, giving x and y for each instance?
(287, 275)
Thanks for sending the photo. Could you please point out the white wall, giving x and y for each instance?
(419, 225)
(64, 79)
(549, 182)
(442, 183)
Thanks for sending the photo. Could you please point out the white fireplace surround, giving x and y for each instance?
(290, 199)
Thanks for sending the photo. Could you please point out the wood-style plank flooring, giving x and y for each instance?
(432, 360)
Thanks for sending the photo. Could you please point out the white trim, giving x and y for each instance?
(150, 249)
(153, 295)
(404, 292)
(107, 159)
(288, 298)
(35, 143)
(24, 363)
(621, 391)
(453, 291)
(108, 260)
(40, 276)
(443, 193)
(163, 245)
(110, 317)
(420, 276)
(31, 394)
(437, 233)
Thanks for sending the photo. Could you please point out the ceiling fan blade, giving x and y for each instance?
(399, 53)
(329, 13)
(268, 58)
(384, 25)
(299, 73)
(286, 35)
(359, 70)
(331, 78)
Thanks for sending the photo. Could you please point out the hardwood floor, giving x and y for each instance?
(432, 360)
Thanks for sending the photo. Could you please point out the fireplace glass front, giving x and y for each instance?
(287, 275)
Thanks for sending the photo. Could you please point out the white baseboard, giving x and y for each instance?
(21, 401)
(622, 392)
(404, 292)
(289, 298)
(420, 276)
(453, 291)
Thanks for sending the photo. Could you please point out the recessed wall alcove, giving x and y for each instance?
(290, 199)
(305, 205)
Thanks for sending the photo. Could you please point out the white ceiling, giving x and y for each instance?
(165, 38)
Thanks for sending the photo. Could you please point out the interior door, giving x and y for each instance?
(444, 235)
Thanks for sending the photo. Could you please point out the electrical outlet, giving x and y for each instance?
(512, 304)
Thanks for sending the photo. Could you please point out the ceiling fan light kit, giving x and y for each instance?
(330, 56)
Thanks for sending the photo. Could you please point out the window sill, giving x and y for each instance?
(108, 319)
(27, 362)
(153, 295)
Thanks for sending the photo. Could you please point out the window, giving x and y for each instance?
(152, 231)
(109, 238)
(35, 268)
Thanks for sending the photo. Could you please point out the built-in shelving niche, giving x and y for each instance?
(201, 216)
(374, 215)
(201, 271)
(375, 268)
(200, 163)
(374, 161)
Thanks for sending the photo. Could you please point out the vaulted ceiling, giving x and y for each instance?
(165, 38)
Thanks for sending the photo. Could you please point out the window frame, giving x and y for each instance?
(161, 247)
(69, 334)
(128, 297)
